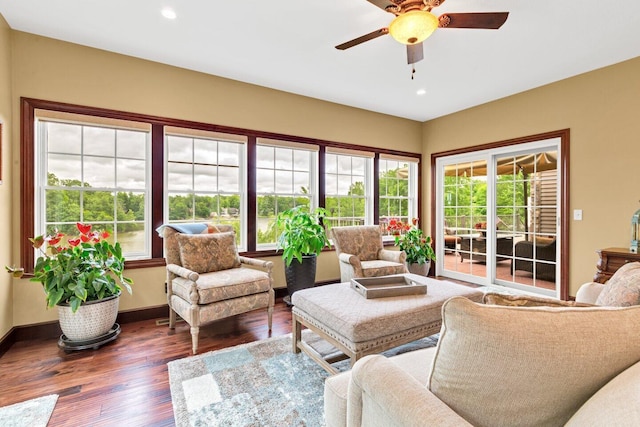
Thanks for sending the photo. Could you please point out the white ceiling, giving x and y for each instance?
(289, 45)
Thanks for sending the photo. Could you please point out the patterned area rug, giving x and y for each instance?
(32, 413)
(257, 384)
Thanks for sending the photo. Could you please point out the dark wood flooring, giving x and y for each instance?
(126, 381)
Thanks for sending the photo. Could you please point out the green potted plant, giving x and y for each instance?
(411, 239)
(83, 276)
(302, 238)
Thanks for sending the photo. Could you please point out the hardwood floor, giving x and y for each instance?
(124, 382)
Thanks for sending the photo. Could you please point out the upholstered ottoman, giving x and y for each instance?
(358, 326)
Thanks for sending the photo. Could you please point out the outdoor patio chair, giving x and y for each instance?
(205, 278)
(361, 253)
(544, 250)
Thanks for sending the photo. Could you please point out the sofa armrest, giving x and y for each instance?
(589, 292)
(382, 394)
(266, 265)
(393, 256)
(350, 259)
(183, 272)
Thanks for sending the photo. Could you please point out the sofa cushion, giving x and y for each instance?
(205, 253)
(623, 289)
(224, 285)
(615, 404)
(506, 366)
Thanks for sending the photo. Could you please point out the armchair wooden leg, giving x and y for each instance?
(172, 318)
(194, 338)
(270, 317)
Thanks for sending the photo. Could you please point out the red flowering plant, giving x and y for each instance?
(410, 239)
(75, 269)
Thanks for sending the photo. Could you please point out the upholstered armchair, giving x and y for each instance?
(206, 280)
(361, 253)
(545, 251)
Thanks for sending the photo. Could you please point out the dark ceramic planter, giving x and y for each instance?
(300, 275)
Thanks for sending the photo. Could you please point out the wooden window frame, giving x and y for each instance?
(28, 107)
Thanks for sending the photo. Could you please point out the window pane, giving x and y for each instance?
(229, 178)
(132, 237)
(180, 176)
(63, 206)
(180, 207)
(98, 206)
(99, 141)
(180, 149)
(205, 151)
(63, 138)
(131, 206)
(265, 156)
(64, 168)
(205, 178)
(131, 144)
(99, 172)
(229, 153)
(266, 181)
(131, 174)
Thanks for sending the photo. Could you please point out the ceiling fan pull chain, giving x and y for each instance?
(413, 70)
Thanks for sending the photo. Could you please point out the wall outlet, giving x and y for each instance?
(577, 214)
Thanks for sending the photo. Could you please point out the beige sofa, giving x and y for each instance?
(517, 365)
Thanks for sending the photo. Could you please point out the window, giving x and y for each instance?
(205, 178)
(348, 188)
(94, 173)
(398, 189)
(285, 178)
(131, 173)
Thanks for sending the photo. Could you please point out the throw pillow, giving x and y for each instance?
(506, 366)
(623, 289)
(528, 301)
(205, 253)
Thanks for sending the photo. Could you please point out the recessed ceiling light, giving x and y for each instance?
(421, 92)
(168, 13)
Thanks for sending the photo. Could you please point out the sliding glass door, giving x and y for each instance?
(497, 216)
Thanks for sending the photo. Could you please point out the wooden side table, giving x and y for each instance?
(611, 259)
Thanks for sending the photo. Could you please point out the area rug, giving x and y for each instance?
(32, 413)
(257, 384)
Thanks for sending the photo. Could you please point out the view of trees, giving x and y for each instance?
(64, 207)
(80, 202)
(465, 201)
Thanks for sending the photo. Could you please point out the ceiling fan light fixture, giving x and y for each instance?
(413, 27)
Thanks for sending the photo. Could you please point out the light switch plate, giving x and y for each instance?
(577, 214)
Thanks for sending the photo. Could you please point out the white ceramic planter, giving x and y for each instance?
(93, 319)
(421, 269)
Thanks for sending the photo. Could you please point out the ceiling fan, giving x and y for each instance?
(414, 22)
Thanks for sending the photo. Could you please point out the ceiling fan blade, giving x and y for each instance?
(383, 4)
(415, 53)
(487, 20)
(362, 39)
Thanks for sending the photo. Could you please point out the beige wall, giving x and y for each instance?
(47, 69)
(6, 289)
(602, 109)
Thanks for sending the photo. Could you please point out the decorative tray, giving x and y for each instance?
(387, 286)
